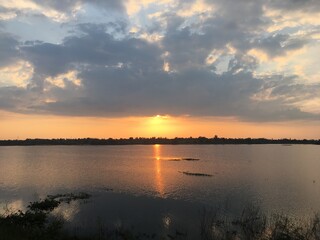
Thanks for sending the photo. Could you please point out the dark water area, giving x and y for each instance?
(143, 187)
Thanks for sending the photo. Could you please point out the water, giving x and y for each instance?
(140, 186)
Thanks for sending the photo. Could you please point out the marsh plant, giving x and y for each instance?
(37, 223)
(253, 224)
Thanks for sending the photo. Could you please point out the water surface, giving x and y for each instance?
(139, 185)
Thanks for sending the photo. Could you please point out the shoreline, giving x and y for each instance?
(162, 141)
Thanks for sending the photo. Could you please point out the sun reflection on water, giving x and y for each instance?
(67, 211)
(158, 174)
(166, 220)
(7, 208)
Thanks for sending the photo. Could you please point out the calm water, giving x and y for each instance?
(149, 190)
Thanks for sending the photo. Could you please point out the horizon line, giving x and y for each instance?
(214, 138)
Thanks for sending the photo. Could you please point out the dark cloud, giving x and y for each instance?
(93, 47)
(18, 99)
(246, 14)
(296, 5)
(280, 44)
(124, 77)
(188, 48)
(292, 92)
(239, 24)
(234, 23)
(127, 92)
(246, 9)
(49, 59)
(8, 49)
(67, 5)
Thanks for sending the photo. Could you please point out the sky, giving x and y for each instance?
(165, 68)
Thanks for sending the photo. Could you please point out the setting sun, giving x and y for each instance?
(160, 124)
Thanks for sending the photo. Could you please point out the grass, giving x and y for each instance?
(36, 223)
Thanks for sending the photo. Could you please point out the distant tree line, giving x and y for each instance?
(154, 140)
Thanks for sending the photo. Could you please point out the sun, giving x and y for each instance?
(159, 119)
(159, 125)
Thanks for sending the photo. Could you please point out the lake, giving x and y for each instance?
(145, 186)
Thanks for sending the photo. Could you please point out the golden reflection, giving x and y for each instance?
(166, 221)
(159, 180)
(67, 211)
(8, 208)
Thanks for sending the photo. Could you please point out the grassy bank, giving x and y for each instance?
(37, 223)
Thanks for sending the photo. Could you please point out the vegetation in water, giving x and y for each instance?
(190, 159)
(36, 223)
(183, 159)
(196, 174)
(253, 224)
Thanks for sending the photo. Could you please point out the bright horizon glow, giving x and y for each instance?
(20, 126)
(160, 125)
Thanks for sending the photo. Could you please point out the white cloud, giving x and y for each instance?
(28, 5)
(310, 105)
(18, 74)
(7, 15)
(282, 19)
(134, 6)
(61, 79)
(195, 8)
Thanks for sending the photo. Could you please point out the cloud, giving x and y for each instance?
(8, 48)
(124, 77)
(16, 99)
(127, 92)
(6, 14)
(93, 47)
(17, 74)
(67, 5)
(201, 64)
(280, 44)
(55, 10)
(296, 5)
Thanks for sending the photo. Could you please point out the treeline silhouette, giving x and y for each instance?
(154, 140)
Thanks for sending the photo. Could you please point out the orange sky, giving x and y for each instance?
(19, 126)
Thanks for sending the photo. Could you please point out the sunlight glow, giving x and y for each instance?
(20, 126)
(160, 125)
